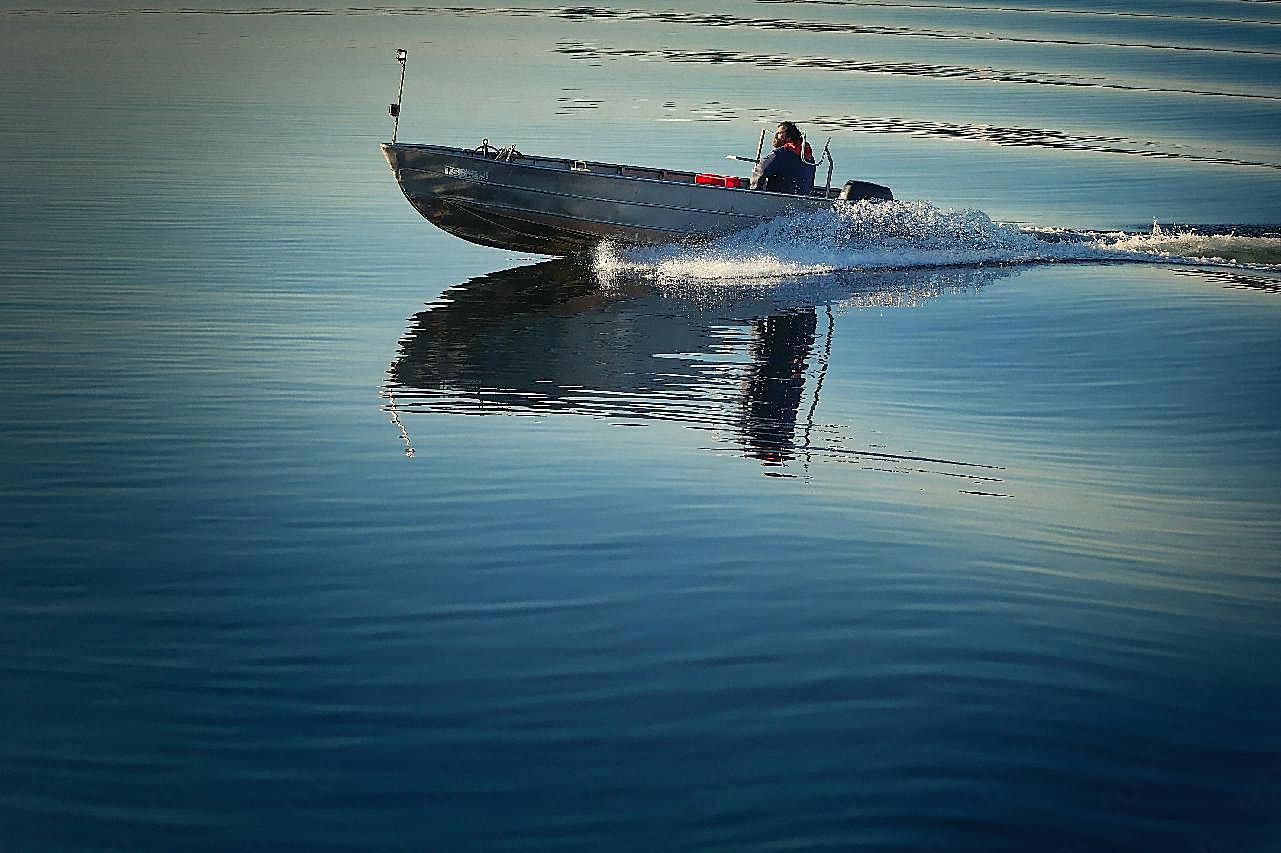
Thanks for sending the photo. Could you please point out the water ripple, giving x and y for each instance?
(1104, 13)
(1028, 137)
(719, 20)
(580, 50)
(1234, 280)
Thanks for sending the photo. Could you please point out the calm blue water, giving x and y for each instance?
(323, 530)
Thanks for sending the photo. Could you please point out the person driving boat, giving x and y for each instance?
(790, 167)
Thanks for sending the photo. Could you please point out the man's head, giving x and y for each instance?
(787, 132)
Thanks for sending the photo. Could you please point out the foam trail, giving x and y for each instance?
(1193, 246)
(912, 234)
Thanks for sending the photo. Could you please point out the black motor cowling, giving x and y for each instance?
(860, 190)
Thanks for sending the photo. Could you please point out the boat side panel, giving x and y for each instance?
(592, 205)
(520, 231)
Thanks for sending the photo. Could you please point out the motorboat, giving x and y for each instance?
(562, 206)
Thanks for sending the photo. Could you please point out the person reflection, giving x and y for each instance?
(780, 349)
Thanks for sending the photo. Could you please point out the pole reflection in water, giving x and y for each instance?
(745, 363)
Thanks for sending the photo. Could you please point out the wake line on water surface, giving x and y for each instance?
(669, 16)
(917, 234)
(1034, 10)
(584, 51)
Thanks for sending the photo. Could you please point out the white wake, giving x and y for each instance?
(913, 234)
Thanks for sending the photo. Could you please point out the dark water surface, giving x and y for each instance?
(322, 530)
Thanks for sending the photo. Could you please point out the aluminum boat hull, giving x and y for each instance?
(557, 206)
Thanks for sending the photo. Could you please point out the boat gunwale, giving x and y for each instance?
(608, 200)
(568, 168)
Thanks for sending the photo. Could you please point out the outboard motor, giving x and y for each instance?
(861, 190)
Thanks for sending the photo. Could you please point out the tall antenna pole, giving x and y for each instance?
(394, 109)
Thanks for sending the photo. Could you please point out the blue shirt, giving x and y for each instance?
(783, 171)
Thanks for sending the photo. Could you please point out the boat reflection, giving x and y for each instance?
(744, 363)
